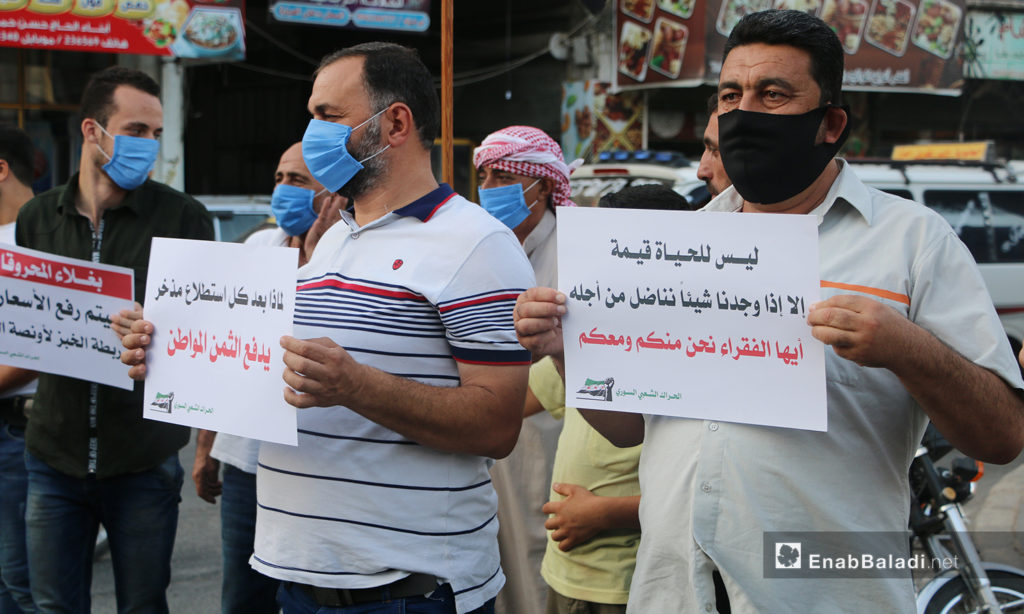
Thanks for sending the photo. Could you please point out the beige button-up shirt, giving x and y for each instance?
(711, 490)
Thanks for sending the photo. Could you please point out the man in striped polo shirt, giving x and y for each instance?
(410, 377)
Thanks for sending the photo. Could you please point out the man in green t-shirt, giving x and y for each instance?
(594, 524)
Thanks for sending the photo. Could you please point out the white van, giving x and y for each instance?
(984, 203)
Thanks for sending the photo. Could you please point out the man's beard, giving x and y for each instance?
(373, 169)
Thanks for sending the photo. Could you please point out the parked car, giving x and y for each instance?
(616, 170)
(984, 203)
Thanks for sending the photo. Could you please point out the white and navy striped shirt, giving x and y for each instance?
(355, 504)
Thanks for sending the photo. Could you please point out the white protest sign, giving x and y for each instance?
(692, 314)
(219, 311)
(55, 315)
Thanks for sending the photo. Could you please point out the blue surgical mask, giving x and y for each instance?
(325, 150)
(132, 160)
(293, 208)
(507, 203)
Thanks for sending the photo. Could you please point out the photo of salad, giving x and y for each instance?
(634, 42)
(734, 10)
(160, 31)
(163, 26)
(680, 8)
(937, 24)
(846, 18)
(669, 45)
(639, 9)
(211, 30)
(889, 25)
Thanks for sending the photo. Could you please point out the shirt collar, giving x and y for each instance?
(424, 207)
(846, 187)
(540, 233)
(66, 203)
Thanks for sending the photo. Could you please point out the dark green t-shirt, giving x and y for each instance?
(58, 431)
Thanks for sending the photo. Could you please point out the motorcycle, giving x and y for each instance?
(939, 527)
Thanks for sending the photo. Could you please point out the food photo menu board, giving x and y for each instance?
(660, 41)
(895, 45)
(211, 30)
(595, 119)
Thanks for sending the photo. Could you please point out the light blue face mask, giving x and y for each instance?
(293, 208)
(325, 150)
(507, 203)
(132, 161)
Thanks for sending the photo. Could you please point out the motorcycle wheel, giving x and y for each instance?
(954, 598)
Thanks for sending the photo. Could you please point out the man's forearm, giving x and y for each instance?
(467, 419)
(621, 512)
(12, 378)
(623, 429)
(204, 442)
(971, 406)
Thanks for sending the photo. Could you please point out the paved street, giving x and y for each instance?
(998, 507)
(195, 584)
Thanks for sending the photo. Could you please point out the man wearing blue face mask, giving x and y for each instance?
(91, 457)
(523, 177)
(302, 208)
(404, 363)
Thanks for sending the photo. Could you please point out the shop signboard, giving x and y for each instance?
(202, 29)
(891, 45)
(981, 151)
(995, 45)
(395, 15)
(595, 119)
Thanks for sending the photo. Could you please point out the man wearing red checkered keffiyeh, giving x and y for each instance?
(524, 155)
(527, 156)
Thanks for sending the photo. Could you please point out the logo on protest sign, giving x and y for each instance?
(596, 389)
(163, 402)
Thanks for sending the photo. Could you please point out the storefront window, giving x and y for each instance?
(8, 75)
(35, 80)
(39, 92)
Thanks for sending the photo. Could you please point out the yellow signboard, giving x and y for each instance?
(979, 150)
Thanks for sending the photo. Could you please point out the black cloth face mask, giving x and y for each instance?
(772, 157)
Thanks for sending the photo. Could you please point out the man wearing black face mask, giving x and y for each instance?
(912, 336)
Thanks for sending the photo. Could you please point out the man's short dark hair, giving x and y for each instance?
(16, 149)
(803, 31)
(648, 196)
(98, 97)
(393, 73)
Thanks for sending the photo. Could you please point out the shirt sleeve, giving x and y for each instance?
(21, 226)
(476, 306)
(197, 223)
(547, 385)
(949, 299)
